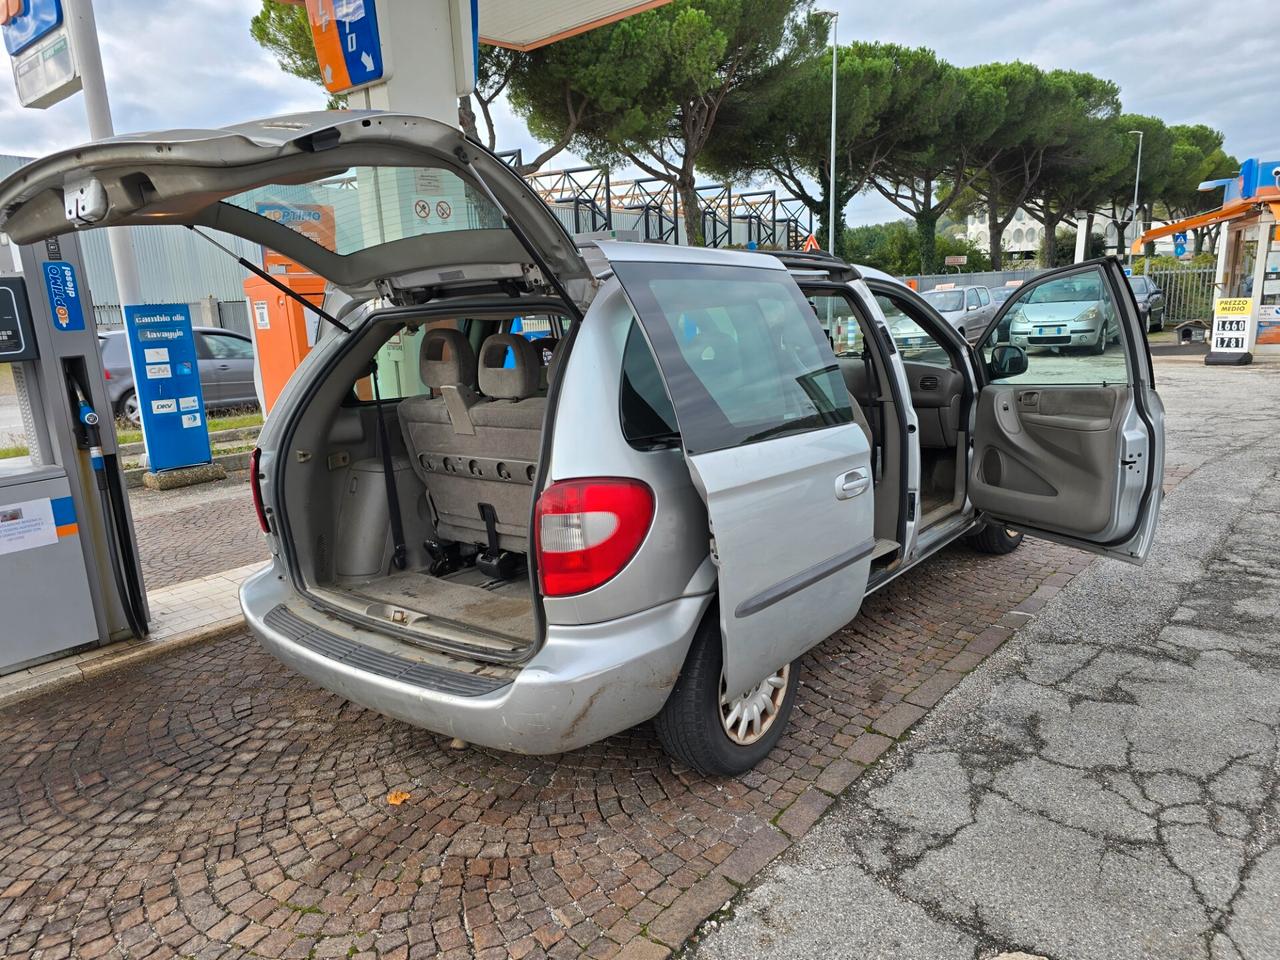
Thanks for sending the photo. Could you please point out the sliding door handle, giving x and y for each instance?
(849, 485)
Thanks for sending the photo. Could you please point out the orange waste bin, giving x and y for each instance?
(283, 330)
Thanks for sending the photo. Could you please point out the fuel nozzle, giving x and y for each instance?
(89, 417)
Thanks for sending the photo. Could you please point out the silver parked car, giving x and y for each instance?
(655, 511)
(225, 359)
(968, 309)
(1069, 311)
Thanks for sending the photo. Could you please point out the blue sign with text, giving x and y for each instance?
(37, 19)
(64, 294)
(166, 374)
(361, 48)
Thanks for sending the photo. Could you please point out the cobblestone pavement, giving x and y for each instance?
(195, 531)
(211, 803)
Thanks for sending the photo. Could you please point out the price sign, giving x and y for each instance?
(1231, 316)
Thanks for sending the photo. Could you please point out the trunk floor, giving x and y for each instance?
(501, 613)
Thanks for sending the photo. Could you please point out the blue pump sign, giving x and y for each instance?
(166, 374)
(64, 294)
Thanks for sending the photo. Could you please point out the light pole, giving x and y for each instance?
(1137, 175)
(834, 17)
(84, 40)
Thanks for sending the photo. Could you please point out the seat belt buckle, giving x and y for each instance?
(493, 561)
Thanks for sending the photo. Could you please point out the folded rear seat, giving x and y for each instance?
(487, 456)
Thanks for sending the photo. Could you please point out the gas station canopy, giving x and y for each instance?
(521, 25)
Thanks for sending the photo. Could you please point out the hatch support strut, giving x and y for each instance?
(257, 271)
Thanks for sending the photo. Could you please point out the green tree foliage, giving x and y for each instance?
(1157, 161)
(648, 90)
(1077, 175)
(283, 29)
(782, 124)
(894, 247)
(960, 109)
(1197, 156)
(1039, 113)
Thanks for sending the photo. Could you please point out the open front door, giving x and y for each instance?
(771, 443)
(1069, 441)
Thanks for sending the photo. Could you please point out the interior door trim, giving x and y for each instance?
(805, 578)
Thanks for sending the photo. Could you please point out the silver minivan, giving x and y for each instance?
(530, 493)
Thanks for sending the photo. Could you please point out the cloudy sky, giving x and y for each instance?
(191, 63)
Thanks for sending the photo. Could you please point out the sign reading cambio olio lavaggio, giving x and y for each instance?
(166, 374)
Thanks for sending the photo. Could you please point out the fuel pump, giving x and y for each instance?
(69, 573)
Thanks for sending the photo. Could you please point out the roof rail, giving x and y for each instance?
(818, 261)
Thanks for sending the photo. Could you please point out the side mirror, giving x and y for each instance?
(1007, 361)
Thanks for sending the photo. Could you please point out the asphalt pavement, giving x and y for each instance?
(1108, 784)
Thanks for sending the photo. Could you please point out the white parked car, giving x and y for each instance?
(662, 519)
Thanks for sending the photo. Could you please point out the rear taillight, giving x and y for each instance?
(106, 374)
(588, 530)
(255, 485)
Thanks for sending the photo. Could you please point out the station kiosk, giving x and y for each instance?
(1246, 311)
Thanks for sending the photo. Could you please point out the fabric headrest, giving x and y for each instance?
(446, 359)
(517, 382)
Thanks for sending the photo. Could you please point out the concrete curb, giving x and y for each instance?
(57, 673)
(230, 462)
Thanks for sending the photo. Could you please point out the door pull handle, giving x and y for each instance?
(851, 484)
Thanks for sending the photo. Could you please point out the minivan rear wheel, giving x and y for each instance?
(716, 731)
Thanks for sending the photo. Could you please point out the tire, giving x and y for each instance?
(995, 540)
(690, 726)
(127, 408)
(1100, 345)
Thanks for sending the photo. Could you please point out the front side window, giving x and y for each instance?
(741, 352)
(1069, 328)
(971, 299)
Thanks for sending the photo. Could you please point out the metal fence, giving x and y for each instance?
(988, 278)
(1188, 292)
(234, 315)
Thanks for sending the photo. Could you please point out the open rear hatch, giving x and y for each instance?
(372, 202)
(382, 204)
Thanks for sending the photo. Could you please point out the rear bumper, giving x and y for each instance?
(586, 683)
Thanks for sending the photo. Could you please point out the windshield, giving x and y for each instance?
(364, 207)
(1001, 294)
(945, 301)
(1067, 290)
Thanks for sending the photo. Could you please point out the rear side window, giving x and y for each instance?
(983, 296)
(647, 416)
(740, 350)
